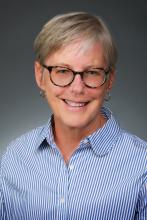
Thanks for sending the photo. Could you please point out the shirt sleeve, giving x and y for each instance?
(141, 210)
(2, 204)
(2, 208)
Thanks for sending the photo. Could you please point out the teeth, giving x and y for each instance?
(75, 104)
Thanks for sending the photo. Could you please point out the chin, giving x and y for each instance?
(77, 123)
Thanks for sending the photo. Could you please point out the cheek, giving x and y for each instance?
(53, 92)
(97, 94)
(50, 88)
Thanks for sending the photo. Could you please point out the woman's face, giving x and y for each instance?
(75, 106)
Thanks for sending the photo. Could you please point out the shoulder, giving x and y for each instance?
(131, 152)
(28, 139)
(131, 139)
(134, 147)
(22, 145)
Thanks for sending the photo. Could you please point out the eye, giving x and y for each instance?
(94, 72)
(61, 70)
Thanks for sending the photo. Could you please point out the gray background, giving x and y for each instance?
(21, 108)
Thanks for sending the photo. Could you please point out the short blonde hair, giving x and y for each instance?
(63, 29)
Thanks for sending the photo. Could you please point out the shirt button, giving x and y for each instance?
(62, 200)
(71, 167)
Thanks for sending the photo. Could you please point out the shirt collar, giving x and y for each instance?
(46, 134)
(101, 141)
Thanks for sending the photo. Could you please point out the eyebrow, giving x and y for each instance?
(70, 67)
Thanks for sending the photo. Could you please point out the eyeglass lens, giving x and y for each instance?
(62, 76)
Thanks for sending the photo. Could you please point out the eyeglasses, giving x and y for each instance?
(63, 76)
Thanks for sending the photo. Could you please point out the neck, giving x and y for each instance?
(64, 134)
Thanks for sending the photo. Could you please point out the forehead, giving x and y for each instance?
(79, 51)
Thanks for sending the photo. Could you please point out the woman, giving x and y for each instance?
(81, 164)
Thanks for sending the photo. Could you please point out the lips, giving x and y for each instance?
(75, 104)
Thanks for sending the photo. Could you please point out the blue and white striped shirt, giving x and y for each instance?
(106, 177)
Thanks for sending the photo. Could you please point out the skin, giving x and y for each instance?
(74, 120)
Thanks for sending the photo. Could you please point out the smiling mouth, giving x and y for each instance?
(75, 104)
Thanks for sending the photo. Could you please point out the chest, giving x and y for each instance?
(86, 188)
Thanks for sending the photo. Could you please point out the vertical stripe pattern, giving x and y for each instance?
(105, 179)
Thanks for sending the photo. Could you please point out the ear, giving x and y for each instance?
(39, 75)
(112, 75)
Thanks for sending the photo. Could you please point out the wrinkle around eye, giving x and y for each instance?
(92, 72)
(62, 70)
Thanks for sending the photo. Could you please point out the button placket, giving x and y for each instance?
(71, 166)
(62, 192)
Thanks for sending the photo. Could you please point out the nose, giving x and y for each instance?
(77, 86)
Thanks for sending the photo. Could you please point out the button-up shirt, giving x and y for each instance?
(106, 177)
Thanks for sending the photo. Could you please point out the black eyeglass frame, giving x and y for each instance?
(49, 68)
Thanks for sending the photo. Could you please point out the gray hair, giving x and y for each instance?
(61, 30)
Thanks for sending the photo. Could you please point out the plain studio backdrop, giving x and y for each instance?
(21, 107)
